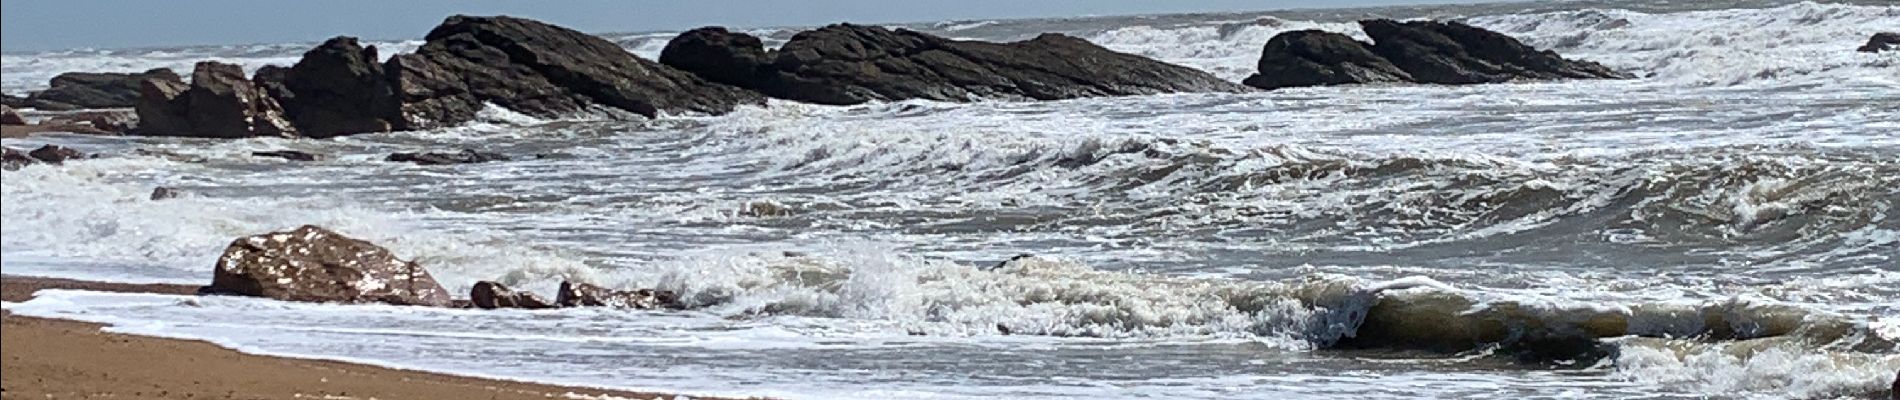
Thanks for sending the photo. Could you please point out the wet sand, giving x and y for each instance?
(60, 359)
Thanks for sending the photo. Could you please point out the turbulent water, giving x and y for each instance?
(1723, 226)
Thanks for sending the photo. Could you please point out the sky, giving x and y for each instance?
(36, 25)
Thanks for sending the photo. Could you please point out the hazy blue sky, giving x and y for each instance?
(27, 25)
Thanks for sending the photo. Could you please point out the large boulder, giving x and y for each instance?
(1456, 53)
(540, 70)
(219, 103)
(576, 294)
(1320, 58)
(338, 88)
(850, 64)
(83, 90)
(1882, 41)
(313, 264)
(1450, 53)
(491, 295)
(9, 117)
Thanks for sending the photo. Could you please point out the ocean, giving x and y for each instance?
(1723, 226)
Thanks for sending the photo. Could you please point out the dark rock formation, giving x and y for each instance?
(12, 101)
(540, 70)
(9, 117)
(81, 90)
(1455, 53)
(338, 88)
(1319, 58)
(52, 154)
(466, 156)
(491, 295)
(291, 155)
(850, 64)
(317, 265)
(219, 103)
(1882, 41)
(161, 193)
(575, 294)
(1450, 53)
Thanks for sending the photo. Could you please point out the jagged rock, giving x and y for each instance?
(1450, 53)
(317, 265)
(10, 117)
(850, 64)
(161, 193)
(291, 155)
(575, 294)
(1882, 41)
(270, 79)
(219, 103)
(1320, 58)
(11, 159)
(338, 88)
(540, 70)
(466, 156)
(491, 295)
(52, 154)
(81, 90)
(1455, 53)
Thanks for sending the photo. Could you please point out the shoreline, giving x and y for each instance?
(57, 358)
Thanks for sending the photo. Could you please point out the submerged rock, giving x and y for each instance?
(1450, 53)
(851, 64)
(161, 193)
(219, 103)
(81, 90)
(11, 159)
(318, 265)
(52, 154)
(338, 88)
(291, 155)
(541, 70)
(466, 156)
(575, 294)
(1882, 41)
(491, 295)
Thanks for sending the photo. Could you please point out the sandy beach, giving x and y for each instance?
(60, 359)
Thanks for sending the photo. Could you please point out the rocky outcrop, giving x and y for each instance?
(491, 295)
(338, 88)
(575, 294)
(50, 154)
(219, 103)
(1883, 41)
(540, 70)
(1320, 58)
(82, 90)
(466, 156)
(313, 264)
(1450, 53)
(850, 64)
(10, 117)
(12, 101)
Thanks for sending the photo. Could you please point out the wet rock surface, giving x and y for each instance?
(313, 264)
(491, 295)
(338, 88)
(576, 294)
(851, 64)
(1883, 41)
(84, 90)
(466, 156)
(1435, 52)
(219, 103)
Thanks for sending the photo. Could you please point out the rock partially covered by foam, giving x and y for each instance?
(466, 156)
(851, 64)
(576, 294)
(220, 102)
(314, 264)
(1883, 41)
(541, 70)
(491, 295)
(1449, 53)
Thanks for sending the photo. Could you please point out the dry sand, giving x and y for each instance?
(60, 359)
